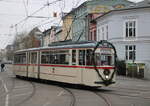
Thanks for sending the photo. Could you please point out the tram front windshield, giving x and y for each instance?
(104, 59)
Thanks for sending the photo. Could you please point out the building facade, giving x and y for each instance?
(67, 27)
(128, 30)
(46, 37)
(58, 35)
(80, 22)
(53, 31)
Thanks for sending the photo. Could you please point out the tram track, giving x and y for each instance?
(127, 95)
(130, 92)
(132, 89)
(11, 90)
(106, 100)
(30, 95)
(1, 84)
(73, 98)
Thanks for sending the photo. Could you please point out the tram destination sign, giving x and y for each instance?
(105, 51)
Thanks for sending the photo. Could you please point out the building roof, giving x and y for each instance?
(74, 9)
(102, 2)
(144, 3)
(48, 31)
(8, 47)
(140, 5)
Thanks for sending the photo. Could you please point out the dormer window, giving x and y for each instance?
(130, 29)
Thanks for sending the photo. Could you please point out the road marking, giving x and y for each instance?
(46, 104)
(60, 93)
(22, 94)
(7, 100)
(20, 89)
(17, 87)
(6, 90)
(1, 83)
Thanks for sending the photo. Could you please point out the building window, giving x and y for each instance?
(107, 32)
(130, 29)
(130, 52)
(102, 33)
(90, 37)
(94, 35)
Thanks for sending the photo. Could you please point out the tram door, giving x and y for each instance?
(33, 66)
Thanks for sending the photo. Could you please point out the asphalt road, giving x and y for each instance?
(17, 92)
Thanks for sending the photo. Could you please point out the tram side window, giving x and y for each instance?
(64, 59)
(20, 58)
(61, 57)
(55, 57)
(89, 57)
(16, 59)
(45, 58)
(33, 58)
(81, 57)
(98, 59)
(24, 59)
(73, 57)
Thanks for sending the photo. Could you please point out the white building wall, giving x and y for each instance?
(116, 23)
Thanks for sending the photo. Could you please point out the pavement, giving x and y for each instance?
(126, 92)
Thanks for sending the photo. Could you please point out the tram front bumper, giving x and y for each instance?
(106, 83)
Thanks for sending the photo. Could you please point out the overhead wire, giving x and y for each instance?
(36, 11)
(61, 8)
(10, 1)
(31, 15)
(74, 18)
(26, 10)
(83, 28)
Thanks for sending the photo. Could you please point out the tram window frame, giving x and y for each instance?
(20, 58)
(56, 57)
(107, 59)
(82, 57)
(61, 57)
(33, 58)
(89, 57)
(45, 55)
(74, 57)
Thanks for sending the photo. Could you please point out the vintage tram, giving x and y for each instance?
(88, 63)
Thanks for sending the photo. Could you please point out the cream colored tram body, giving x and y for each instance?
(76, 63)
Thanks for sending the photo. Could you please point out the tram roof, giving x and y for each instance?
(62, 45)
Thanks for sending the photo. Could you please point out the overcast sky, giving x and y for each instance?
(14, 11)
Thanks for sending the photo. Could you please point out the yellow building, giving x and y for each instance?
(67, 27)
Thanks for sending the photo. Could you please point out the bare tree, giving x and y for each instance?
(25, 41)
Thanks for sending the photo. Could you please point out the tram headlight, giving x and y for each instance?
(106, 72)
(107, 76)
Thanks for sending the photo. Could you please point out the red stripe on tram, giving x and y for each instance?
(89, 67)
